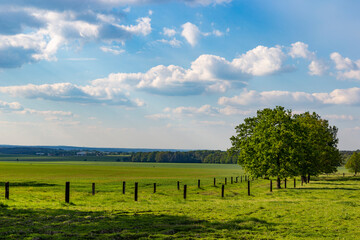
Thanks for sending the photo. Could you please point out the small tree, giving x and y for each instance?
(353, 164)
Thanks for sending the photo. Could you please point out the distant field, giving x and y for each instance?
(327, 208)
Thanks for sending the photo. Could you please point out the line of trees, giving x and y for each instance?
(199, 156)
(277, 143)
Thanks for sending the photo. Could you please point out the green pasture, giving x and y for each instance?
(327, 208)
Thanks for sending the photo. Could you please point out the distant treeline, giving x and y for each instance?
(200, 156)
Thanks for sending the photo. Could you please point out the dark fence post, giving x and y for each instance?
(270, 185)
(232, 180)
(67, 192)
(93, 188)
(225, 181)
(294, 182)
(302, 181)
(136, 191)
(285, 183)
(154, 187)
(124, 183)
(178, 185)
(185, 191)
(214, 182)
(236, 180)
(343, 174)
(198, 183)
(7, 186)
(248, 188)
(222, 190)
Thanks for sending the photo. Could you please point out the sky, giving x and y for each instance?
(173, 74)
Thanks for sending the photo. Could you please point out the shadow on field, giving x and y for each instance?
(324, 188)
(337, 179)
(29, 184)
(69, 224)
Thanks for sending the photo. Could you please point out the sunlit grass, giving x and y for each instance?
(327, 208)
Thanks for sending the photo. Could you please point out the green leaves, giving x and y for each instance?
(279, 144)
(353, 164)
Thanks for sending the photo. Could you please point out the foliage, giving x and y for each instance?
(278, 144)
(318, 145)
(353, 164)
(267, 144)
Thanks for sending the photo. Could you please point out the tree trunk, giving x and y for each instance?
(308, 178)
(278, 182)
(303, 179)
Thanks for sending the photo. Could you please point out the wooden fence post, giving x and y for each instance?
(231, 180)
(236, 180)
(222, 190)
(178, 185)
(124, 183)
(214, 182)
(285, 183)
(93, 188)
(225, 181)
(294, 182)
(136, 191)
(248, 188)
(154, 187)
(198, 183)
(185, 191)
(7, 186)
(67, 192)
(270, 185)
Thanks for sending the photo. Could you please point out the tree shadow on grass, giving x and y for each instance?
(70, 224)
(324, 188)
(29, 184)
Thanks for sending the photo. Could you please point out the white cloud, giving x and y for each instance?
(191, 33)
(350, 96)
(57, 29)
(170, 32)
(207, 74)
(114, 50)
(317, 68)
(217, 33)
(195, 112)
(347, 69)
(67, 92)
(300, 50)
(260, 61)
(172, 42)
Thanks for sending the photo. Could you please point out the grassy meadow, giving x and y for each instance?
(327, 208)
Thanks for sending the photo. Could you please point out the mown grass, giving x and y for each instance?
(327, 208)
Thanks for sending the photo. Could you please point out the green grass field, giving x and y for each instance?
(327, 208)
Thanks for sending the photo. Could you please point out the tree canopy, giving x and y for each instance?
(276, 143)
(353, 164)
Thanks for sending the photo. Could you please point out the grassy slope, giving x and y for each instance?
(327, 208)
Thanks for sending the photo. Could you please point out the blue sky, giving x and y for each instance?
(172, 74)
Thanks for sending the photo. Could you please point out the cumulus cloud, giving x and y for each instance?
(38, 34)
(316, 67)
(207, 74)
(350, 96)
(67, 92)
(347, 69)
(191, 33)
